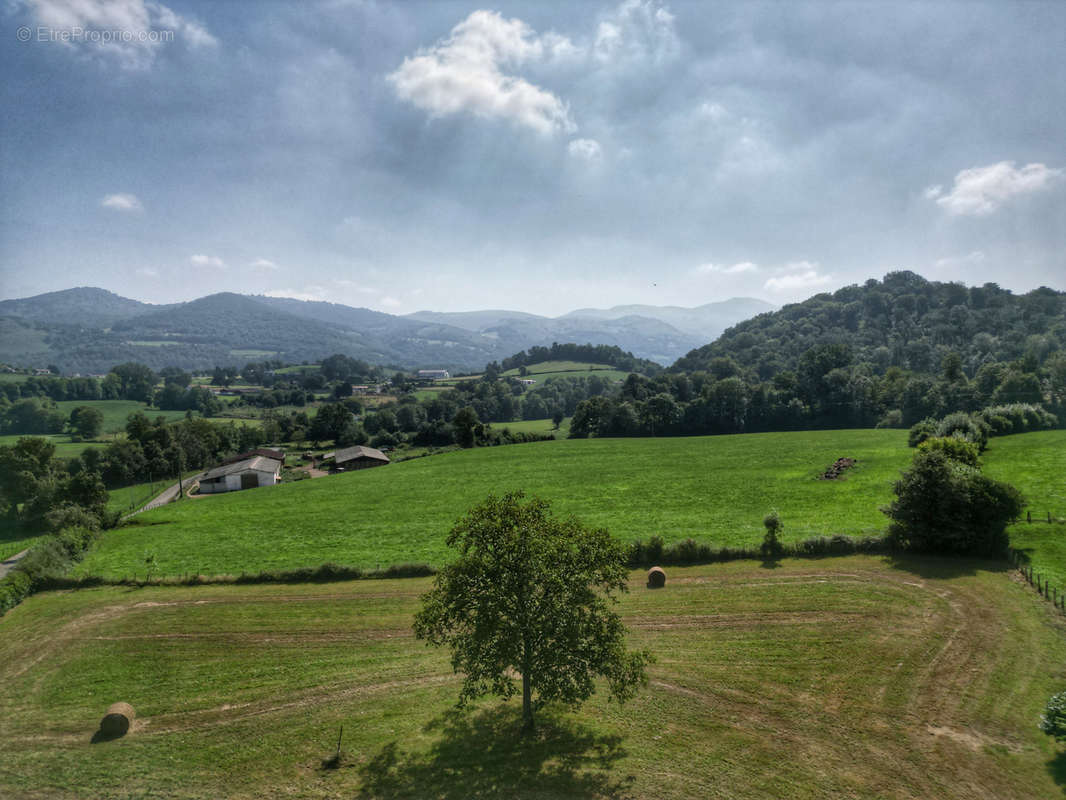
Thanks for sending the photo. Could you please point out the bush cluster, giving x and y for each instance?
(689, 552)
(981, 425)
(47, 561)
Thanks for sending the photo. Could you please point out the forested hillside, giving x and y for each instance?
(903, 321)
(887, 353)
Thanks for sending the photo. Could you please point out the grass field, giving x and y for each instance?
(116, 411)
(65, 447)
(715, 489)
(1036, 464)
(536, 426)
(839, 678)
(14, 539)
(568, 369)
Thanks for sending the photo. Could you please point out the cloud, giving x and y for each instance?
(130, 31)
(263, 264)
(638, 30)
(933, 192)
(390, 302)
(970, 259)
(201, 260)
(122, 202)
(309, 293)
(463, 74)
(981, 190)
(148, 272)
(722, 269)
(588, 149)
(798, 275)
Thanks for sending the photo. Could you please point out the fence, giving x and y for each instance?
(1055, 594)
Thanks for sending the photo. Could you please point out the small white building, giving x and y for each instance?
(248, 474)
(433, 374)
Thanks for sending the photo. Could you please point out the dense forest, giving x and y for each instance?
(887, 353)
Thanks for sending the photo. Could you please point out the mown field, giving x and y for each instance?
(716, 489)
(536, 426)
(838, 678)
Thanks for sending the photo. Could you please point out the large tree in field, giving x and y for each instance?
(530, 596)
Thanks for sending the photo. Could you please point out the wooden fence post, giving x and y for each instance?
(1028, 516)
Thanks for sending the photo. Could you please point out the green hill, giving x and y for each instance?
(904, 321)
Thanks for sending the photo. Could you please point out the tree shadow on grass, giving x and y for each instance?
(1056, 767)
(483, 754)
(935, 566)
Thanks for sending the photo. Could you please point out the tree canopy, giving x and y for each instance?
(531, 595)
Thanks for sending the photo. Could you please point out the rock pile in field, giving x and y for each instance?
(837, 469)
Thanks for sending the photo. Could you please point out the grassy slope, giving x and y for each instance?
(842, 678)
(1036, 464)
(536, 426)
(116, 411)
(715, 489)
(567, 369)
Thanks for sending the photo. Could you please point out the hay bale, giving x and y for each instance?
(656, 578)
(118, 720)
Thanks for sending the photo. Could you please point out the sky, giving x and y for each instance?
(534, 156)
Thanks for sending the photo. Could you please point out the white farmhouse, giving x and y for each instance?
(248, 474)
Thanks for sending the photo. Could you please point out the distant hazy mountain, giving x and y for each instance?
(90, 330)
(85, 306)
(706, 322)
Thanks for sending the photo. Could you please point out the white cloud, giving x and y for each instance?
(202, 260)
(981, 190)
(723, 269)
(797, 275)
(148, 272)
(130, 31)
(263, 264)
(122, 202)
(390, 302)
(933, 192)
(463, 74)
(310, 293)
(588, 149)
(970, 259)
(638, 30)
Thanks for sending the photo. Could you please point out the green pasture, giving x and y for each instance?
(116, 411)
(65, 446)
(1036, 464)
(13, 377)
(715, 489)
(832, 679)
(14, 538)
(536, 426)
(567, 369)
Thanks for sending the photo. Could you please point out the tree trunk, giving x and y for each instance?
(527, 698)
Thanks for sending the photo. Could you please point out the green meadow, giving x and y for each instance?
(116, 411)
(853, 677)
(715, 489)
(1036, 464)
(567, 369)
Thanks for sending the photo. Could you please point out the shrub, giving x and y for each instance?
(771, 543)
(1053, 720)
(892, 419)
(943, 506)
(954, 448)
(963, 425)
(921, 431)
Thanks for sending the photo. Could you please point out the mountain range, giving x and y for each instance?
(89, 329)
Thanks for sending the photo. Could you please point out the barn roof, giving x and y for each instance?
(259, 464)
(349, 453)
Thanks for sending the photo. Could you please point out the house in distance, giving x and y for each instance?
(357, 457)
(433, 374)
(248, 474)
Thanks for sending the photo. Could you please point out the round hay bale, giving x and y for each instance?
(656, 578)
(118, 719)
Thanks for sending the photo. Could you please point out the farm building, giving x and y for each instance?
(248, 474)
(433, 374)
(265, 452)
(357, 457)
